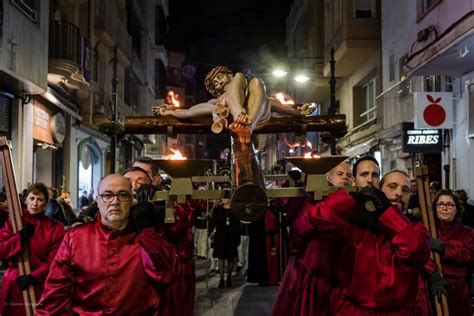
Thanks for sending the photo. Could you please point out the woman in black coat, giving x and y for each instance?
(226, 239)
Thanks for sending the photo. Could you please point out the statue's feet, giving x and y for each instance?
(243, 131)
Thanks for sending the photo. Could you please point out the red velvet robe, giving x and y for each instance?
(98, 271)
(272, 246)
(458, 255)
(381, 266)
(42, 247)
(307, 286)
(179, 298)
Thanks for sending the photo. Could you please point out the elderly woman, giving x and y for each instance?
(456, 248)
(41, 236)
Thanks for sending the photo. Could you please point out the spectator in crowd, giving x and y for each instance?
(435, 186)
(42, 237)
(53, 208)
(130, 266)
(467, 218)
(83, 202)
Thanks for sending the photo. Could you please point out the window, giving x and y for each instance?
(424, 6)
(28, 7)
(364, 103)
(432, 83)
(363, 9)
(471, 110)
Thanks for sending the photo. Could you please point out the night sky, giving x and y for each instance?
(242, 34)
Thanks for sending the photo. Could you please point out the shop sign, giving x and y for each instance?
(41, 117)
(421, 140)
(433, 110)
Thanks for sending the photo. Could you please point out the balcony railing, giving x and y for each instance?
(65, 41)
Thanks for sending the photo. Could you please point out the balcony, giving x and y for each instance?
(69, 62)
(111, 31)
(354, 39)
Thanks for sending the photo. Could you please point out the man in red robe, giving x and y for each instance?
(111, 266)
(306, 286)
(382, 254)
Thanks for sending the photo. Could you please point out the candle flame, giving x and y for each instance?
(310, 155)
(176, 155)
(172, 99)
(284, 99)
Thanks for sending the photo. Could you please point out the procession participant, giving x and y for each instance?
(383, 258)
(248, 103)
(41, 236)
(307, 282)
(137, 177)
(455, 245)
(179, 297)
(146, 163)
(115, 265)
(226, 238)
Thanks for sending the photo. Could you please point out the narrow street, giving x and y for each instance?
(242, 299)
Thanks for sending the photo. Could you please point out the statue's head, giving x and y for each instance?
(217, 79)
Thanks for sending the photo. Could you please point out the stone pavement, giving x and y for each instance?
(242, 299)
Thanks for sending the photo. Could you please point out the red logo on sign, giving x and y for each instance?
(434, 114)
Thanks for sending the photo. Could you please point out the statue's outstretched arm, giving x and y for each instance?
(278, 107)
(200, 109)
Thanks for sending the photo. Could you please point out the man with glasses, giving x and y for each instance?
(381, 256)
(113, 265)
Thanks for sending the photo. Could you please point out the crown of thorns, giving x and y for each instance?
(208, 82)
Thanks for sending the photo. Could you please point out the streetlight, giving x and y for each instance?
(301, 78)
(279, 73)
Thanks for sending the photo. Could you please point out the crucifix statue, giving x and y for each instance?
(247, 104)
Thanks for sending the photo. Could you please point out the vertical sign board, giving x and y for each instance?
(421, 140)
(433, 110)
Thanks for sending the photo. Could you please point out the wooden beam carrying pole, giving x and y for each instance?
(14, 207)
(426, 208)
(336, 124)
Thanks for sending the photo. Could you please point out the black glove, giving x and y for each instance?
(143, 216)
(438, 285)
(437, 245)
(26, 232)
(378, 198)
(145, 192)
(23, 281)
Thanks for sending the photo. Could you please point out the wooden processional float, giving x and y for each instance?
(14, 207)
(249, 197)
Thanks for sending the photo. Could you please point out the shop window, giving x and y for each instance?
(364, 9)
(364, 103)
(89, 166)
(29, 8)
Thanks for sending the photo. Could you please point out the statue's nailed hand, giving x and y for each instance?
(162, 109)
(305, 109)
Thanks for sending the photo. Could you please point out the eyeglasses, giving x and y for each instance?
(109, 197)
(449, 206)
